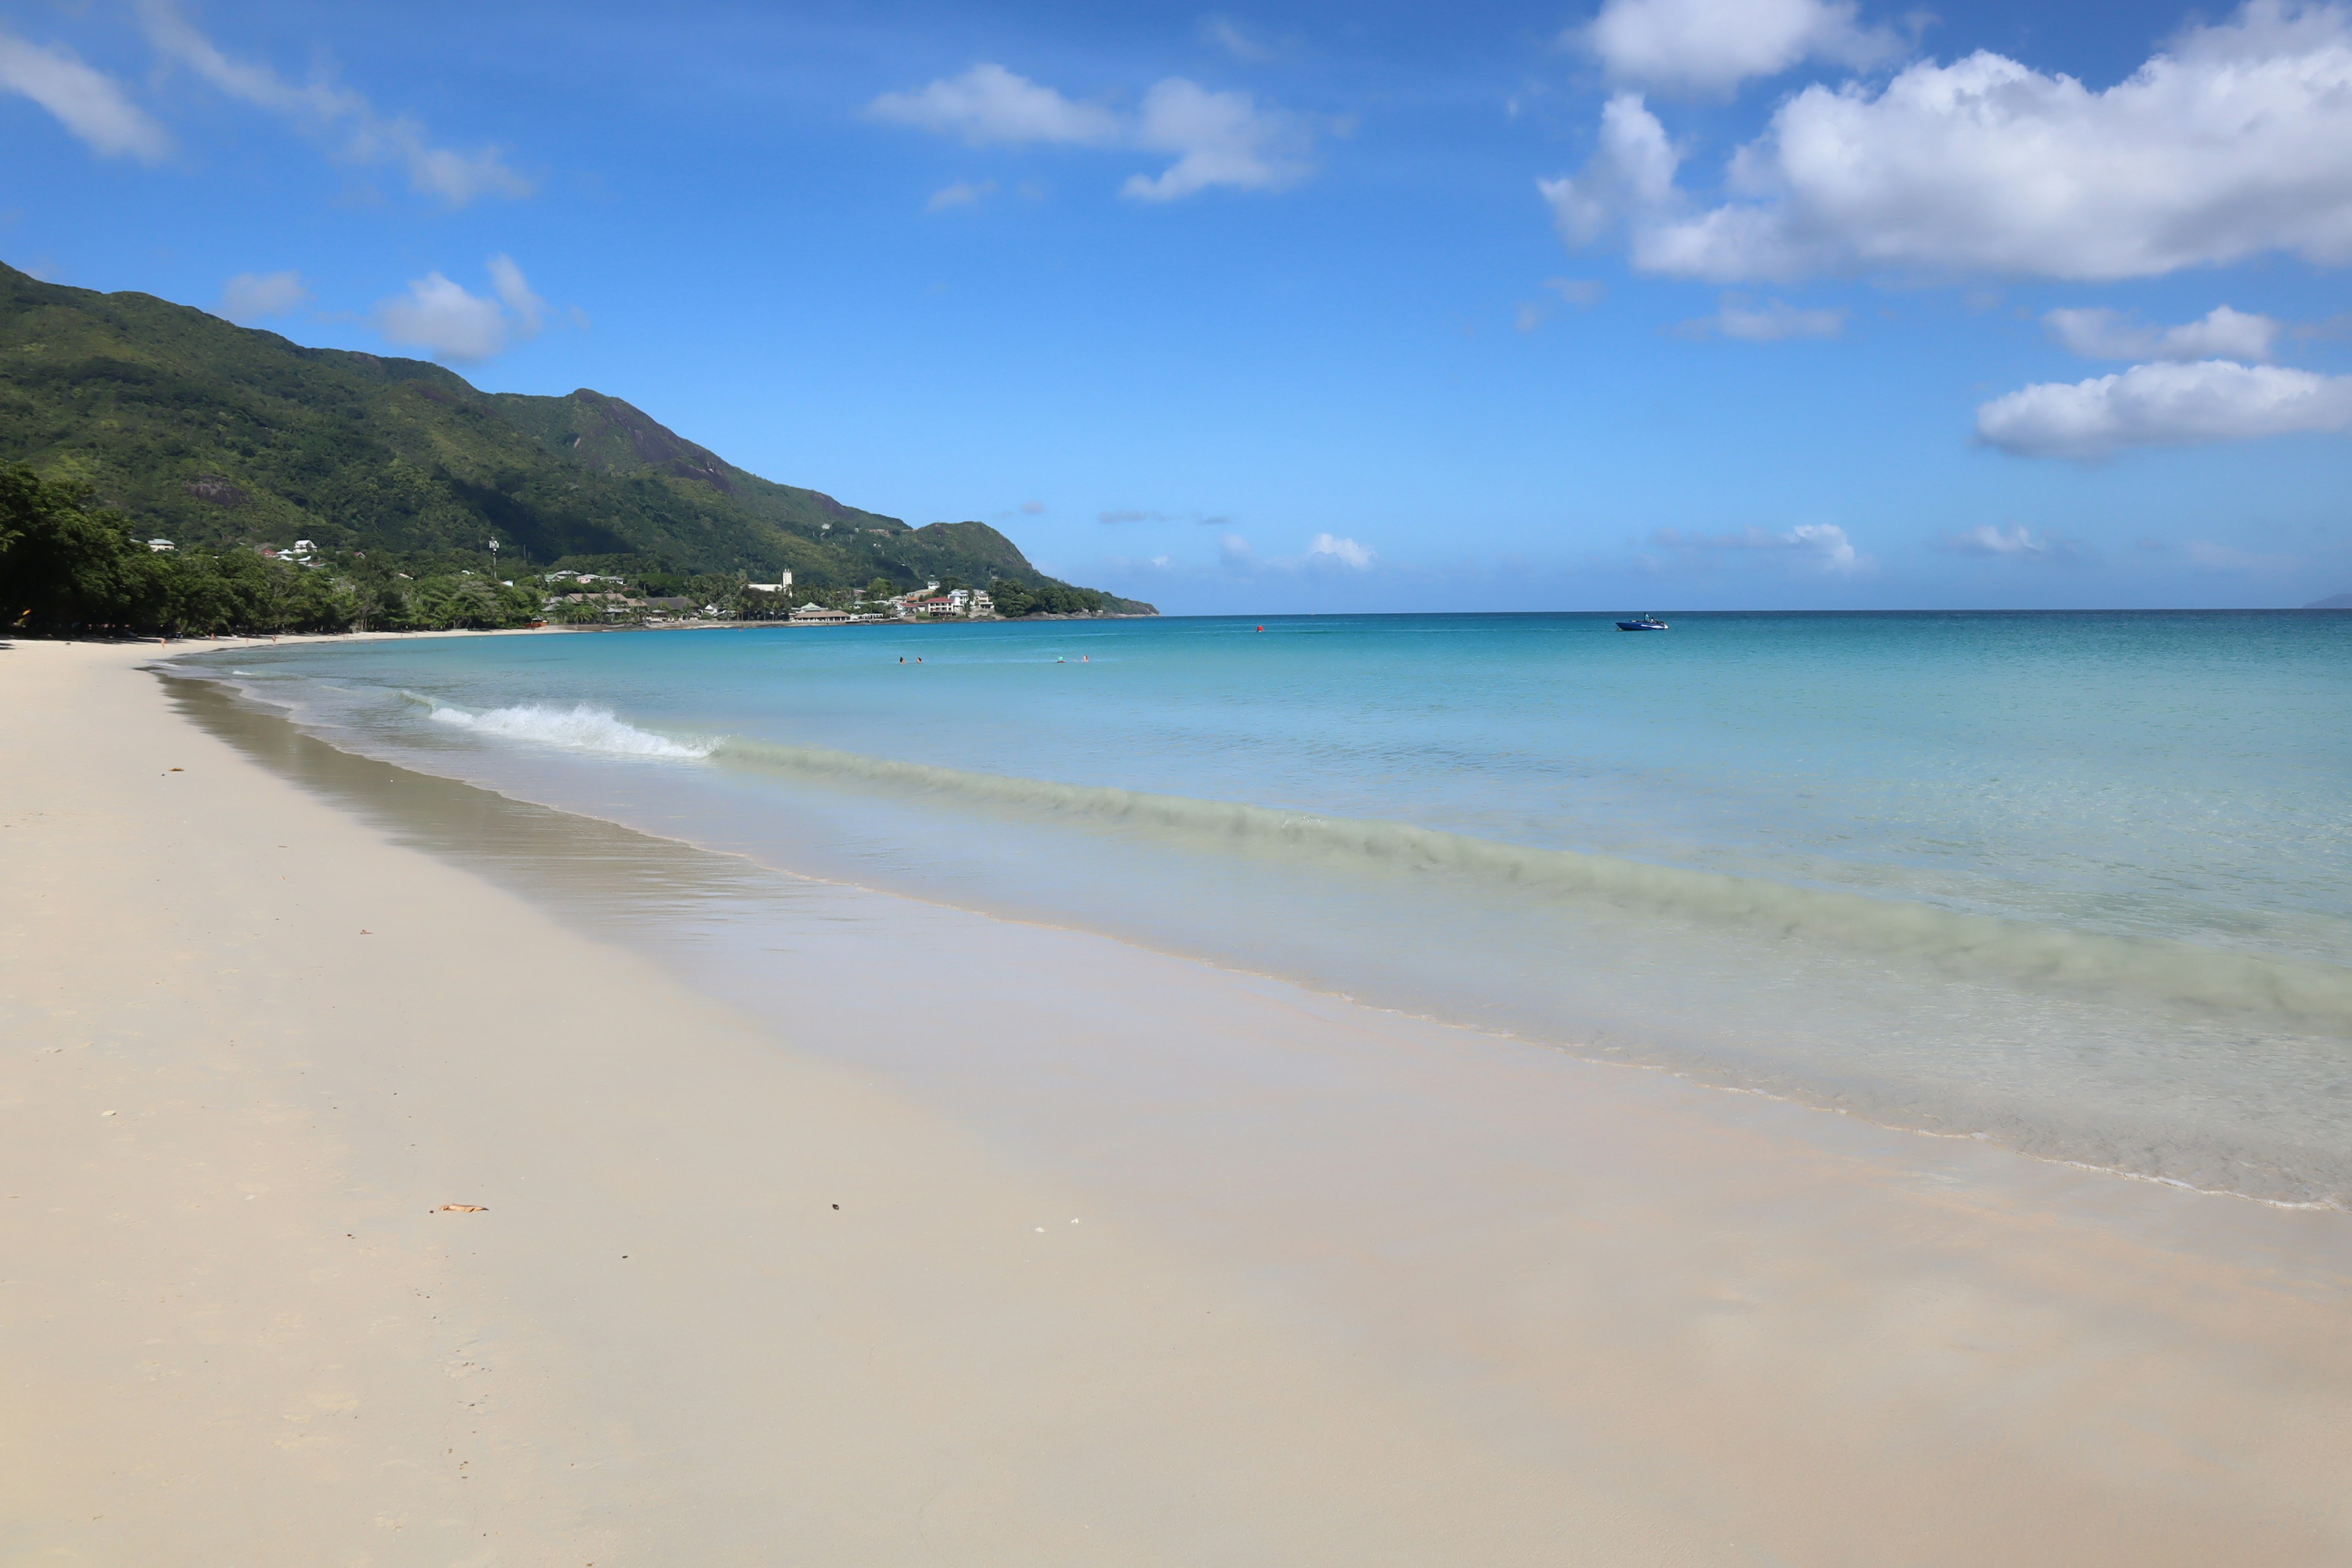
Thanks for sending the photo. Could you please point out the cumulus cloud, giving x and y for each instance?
(1032, 507)
(1131, 516)
(451, 323)
(529, 310)
(256, 296)
(1817, 546)
(1324, 552)
(2165, 405)
(1331, 547)
(2234, 142)
(1630, 175)
(990, 104)
(1711, 45)
(1775, 320)
(1215, 138)
(1219, 138)
(321, 106)
(86, 102)
(2222, 333)
(2016, 542)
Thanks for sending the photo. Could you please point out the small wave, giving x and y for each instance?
(2302, 995)
(579, 728)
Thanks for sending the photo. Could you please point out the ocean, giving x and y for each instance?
(2079, 884)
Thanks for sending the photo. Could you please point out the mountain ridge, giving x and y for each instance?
(218, 436)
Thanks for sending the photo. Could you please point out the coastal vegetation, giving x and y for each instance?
(427, 502)
(67, 564)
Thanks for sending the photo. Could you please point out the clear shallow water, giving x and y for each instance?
(2079, 883)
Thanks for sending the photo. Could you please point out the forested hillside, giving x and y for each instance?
(222, 437)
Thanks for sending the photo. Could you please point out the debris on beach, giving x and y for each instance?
(463, 1208)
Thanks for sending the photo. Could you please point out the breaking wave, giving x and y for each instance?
(2306, 997)
(579, 728)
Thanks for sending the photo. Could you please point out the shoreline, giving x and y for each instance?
(1472, 1299)
(2248, 1159)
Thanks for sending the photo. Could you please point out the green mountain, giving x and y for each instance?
(216, 436)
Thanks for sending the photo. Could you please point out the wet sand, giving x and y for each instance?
(1344, 1286)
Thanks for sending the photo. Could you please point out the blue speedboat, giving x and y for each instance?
(1644, 624)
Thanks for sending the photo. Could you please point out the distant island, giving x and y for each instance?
(2333, 601)
(167, 469)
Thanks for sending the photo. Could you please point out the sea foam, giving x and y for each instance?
(581, 727)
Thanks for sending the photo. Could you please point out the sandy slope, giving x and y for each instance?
(251, 1047)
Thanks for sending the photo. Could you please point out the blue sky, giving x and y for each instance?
(1683, 303)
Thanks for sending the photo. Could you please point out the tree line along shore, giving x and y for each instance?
(72, 566)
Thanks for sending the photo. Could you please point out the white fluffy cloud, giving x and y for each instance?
(1773, 321)
(368, 136)
(1345, 551)
(989, 103)
(2016, 542)
(2234, 142)
(256, 296)
(1820, 546)
(1215, 138)
(1219, 138)
(451, 323)
(2222, 333)
(1708, 45)
(86, 102)
(2165, 405)
(1324, 552)
(1631, 174)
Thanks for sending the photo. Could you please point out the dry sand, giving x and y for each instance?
(1346, 1288)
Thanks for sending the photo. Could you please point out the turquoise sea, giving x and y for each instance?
(2078, 883)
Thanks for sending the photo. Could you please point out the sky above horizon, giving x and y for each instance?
(1609, 304)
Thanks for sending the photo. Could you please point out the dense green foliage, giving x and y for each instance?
(68, 566)
(1016, 599)
(217, 436)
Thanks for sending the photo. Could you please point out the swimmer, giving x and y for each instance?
(902, 659)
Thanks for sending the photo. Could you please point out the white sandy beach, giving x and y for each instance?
(1162, 1265)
